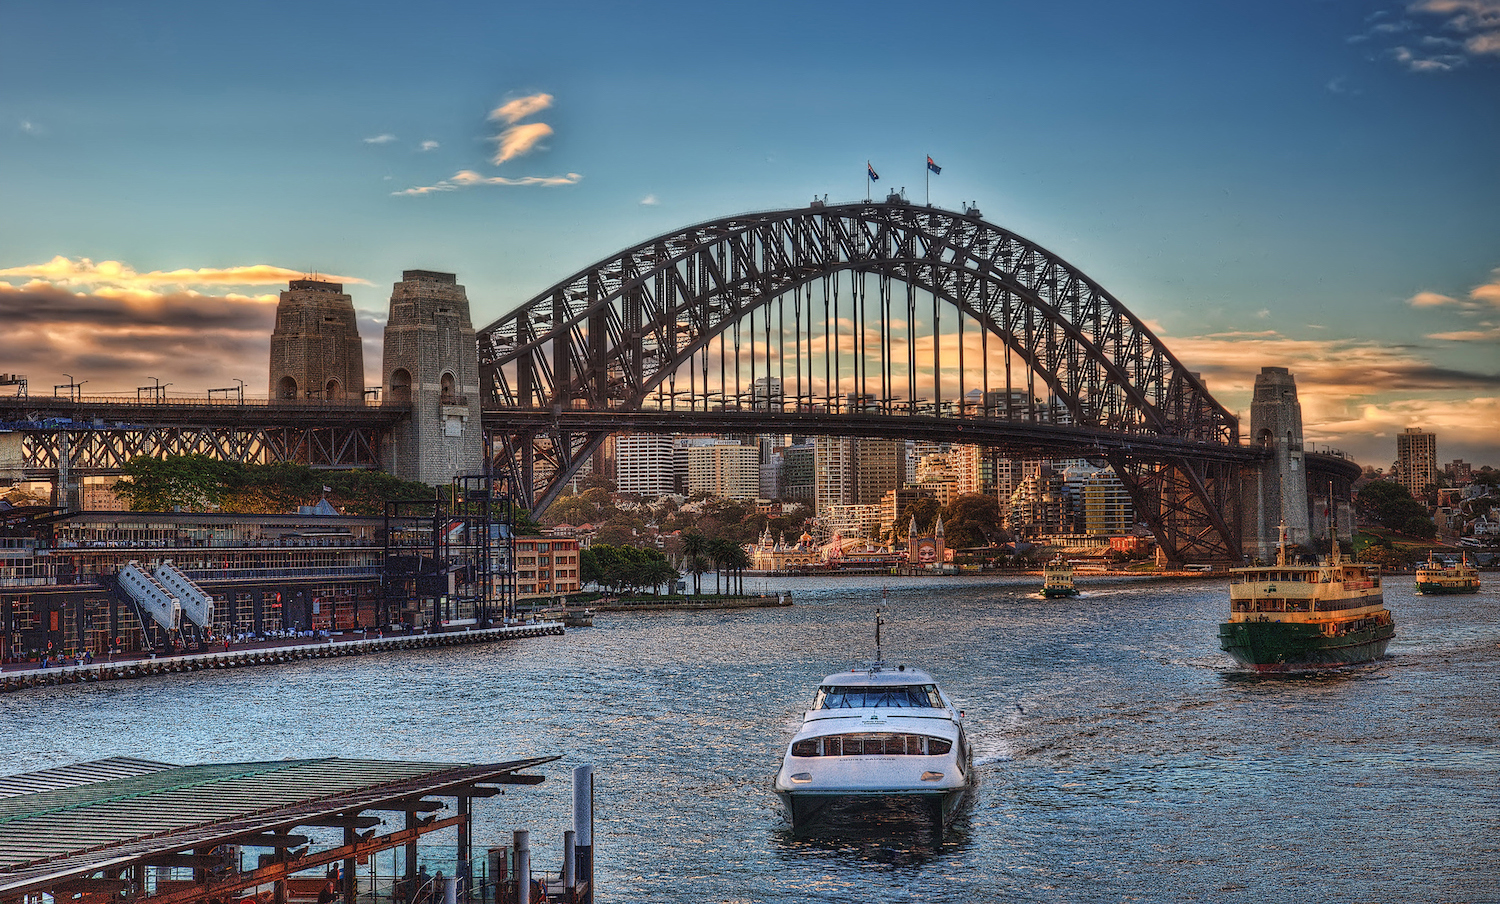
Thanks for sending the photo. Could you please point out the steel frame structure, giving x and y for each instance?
(62, 436)
(752, 313)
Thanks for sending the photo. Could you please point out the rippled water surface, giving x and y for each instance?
(1121, 756)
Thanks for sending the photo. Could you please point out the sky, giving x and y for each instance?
(1313, 184)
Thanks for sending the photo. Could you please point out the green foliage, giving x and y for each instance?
(925, 510)
(621, 568)
(197, 483)
(1392, 507)
(973, 520)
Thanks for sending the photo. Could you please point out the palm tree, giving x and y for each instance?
(723, 553)
(694, 546)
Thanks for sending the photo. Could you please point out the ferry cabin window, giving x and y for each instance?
(915, 696)
(873, 744)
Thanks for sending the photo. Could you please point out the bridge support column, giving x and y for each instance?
(1275, 490)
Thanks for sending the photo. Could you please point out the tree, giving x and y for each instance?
(1391, 506)
(973, 520)
(925, 510)
(694, 550)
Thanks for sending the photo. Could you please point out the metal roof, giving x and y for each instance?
(75, 827)
(77, 774)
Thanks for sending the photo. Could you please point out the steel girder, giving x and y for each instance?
(606, 337)
(104, 451)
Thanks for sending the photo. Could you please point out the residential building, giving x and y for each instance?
(1416, 460)
(724, 470)
(546, 566)
(643, 464)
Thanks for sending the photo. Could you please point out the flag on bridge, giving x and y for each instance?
(874, 176)
(933, 166)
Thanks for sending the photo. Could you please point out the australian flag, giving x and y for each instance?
(874, 176)
(933, 166)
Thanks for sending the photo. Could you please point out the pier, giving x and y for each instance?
(257, 656)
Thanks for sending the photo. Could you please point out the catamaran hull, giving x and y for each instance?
(1271, 646)
(1433, 589)
(823, 808)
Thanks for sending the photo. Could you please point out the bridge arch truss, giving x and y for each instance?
(819, 319)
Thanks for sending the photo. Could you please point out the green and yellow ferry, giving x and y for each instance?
(1434, 577)
(1057, 579)
(1286, 618)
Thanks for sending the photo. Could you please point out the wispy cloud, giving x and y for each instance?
(62, 271)
(428, 145)
(519, 140)
(1440, 35)
(650, 201)
(1481, 298)
(513, 111)
(467, 178)
(30, 128)
(516, 140)
(387, 138)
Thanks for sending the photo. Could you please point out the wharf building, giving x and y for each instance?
(130, 581)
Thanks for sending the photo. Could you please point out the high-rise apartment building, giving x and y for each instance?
(643, 464)
(728, 471)
(1416, 460)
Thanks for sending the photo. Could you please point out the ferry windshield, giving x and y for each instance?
(917, 696)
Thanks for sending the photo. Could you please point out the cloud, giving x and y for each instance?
(1480, 298)
(30, 128)
(115, 338)
(1466, 29)
(650, 201)
(513, 111)
(387, 138)
(85, 272)
(428, 145)
(468, 178)
(1355, 394)
(519, 140)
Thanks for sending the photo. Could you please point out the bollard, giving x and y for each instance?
(570, 845)
(522, 845)
(450, 890)
(583, 828)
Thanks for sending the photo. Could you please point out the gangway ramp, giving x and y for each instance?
(197, 606)
(148, 593)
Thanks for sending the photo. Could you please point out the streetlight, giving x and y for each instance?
(242, 389)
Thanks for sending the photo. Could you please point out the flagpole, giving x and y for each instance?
(928, 170)
(867, 181)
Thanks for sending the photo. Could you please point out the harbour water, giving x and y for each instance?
(1122, 756)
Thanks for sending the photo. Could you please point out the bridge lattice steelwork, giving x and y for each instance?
(861, 319)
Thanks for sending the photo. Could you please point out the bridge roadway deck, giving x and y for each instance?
(49, 412)
(1016, 437)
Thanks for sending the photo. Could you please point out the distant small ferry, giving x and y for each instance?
(1057, 579)
(1294, 617)
(1434, 577)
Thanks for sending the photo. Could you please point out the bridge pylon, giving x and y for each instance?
(1275, 488)
(430, 363)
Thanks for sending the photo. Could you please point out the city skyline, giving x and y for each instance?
(1306, 186)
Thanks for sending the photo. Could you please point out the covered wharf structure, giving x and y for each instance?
(129, 830)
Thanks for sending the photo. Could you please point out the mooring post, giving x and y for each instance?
(450, 890)
(569, 875)
(583, 828)
(521, 841)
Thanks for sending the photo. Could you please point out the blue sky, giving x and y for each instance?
(1306, 184)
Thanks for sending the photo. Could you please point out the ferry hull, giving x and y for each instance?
(806, 809)
(1427, 588)
(1053, 593)
(1271, 646)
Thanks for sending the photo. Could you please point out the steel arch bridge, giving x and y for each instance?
(867, 319)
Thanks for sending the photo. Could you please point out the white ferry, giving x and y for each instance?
(877, 734)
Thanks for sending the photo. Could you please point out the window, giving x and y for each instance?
(873, 744)
(920, 696)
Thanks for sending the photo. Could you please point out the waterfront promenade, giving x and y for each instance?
(116, 667)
